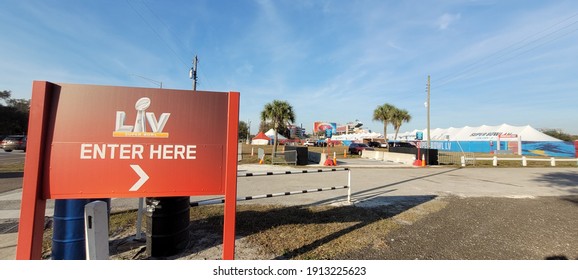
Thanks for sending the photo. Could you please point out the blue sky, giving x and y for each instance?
(491, 62)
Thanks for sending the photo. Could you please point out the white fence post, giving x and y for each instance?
(525, 160)
(349, 185)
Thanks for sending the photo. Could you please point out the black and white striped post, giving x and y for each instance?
(271, 173)
(222, 200)
(310, 171)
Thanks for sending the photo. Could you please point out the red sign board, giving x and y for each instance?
(90, 141)
(134, 142)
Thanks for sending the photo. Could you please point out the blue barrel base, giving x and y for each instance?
(68, 238)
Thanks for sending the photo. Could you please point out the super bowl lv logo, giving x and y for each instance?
(139, 129)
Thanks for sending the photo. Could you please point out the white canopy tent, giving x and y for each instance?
(271, 134)
(357, 136)
(479, 133)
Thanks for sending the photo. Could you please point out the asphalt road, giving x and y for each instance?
(486, 228)
(492, 213)
(11, 180)
(12, 157)
(378, 185)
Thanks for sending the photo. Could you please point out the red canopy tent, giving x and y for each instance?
(260, 139)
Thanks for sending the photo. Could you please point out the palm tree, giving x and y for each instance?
(399, 116)
(278, 113)
(384, 113)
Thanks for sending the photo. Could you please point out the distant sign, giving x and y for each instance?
(324, 126)
(419, 135)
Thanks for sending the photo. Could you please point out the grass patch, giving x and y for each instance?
(12, 167)
(250, 152)
(279, 232)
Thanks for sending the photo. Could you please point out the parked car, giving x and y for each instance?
(14, 142)
(402, 144)
(357, 148)
(374, 144)
(309, 143)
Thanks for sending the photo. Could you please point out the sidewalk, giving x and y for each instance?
(8, 243)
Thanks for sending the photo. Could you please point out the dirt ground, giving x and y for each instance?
(443, 228)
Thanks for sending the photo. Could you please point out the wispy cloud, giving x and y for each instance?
(446, 20)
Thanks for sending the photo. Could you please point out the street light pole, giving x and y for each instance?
(428, 112)
(248, 131)
(428, 118)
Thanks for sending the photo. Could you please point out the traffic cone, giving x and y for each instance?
(329, 162)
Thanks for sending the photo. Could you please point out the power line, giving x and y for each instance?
(509, 58)
(158, 35)
(173, 34)
(178, 38)
(477, 66)
(158, 83)
(508, 53)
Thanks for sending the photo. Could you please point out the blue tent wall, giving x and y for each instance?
(541, 148)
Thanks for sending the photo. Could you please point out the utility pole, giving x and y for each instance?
(248, 131)
(193, 73)
(428, 118)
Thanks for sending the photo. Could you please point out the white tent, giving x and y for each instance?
(357, 136)
(479, 133)
(271, 134)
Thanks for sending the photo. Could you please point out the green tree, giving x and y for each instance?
(22, 105)
(243, 130)
(5, 96)
(264, 126)
(279, 114)
(398, 117)
(559, 134)
(13, 114)
(384, 113)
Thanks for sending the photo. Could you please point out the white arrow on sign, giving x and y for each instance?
(143, 178)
